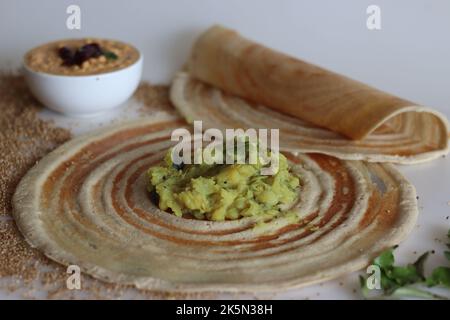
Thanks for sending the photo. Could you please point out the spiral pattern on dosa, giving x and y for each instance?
(409, 137)
(86, 204)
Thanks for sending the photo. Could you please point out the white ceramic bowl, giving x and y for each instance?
(85, 95)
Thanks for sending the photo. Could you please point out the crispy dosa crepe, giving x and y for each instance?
(408, 138)
(367, 123)
(86, 203)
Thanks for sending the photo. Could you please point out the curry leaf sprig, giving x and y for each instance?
(407, 281)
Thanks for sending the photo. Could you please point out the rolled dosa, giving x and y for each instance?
(227, 61)
(409, 138)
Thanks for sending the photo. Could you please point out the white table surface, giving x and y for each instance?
(409, 57)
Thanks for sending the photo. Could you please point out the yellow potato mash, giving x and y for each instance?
(222, 191)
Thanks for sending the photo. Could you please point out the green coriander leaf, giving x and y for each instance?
(404, 275)
(362, 282)
(413, 292)
(387, 284)
(364, 289)
(407, 281)
(385, 260)
(447, 254)
(439, 276)
(420, 264)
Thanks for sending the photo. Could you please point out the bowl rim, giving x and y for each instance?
(66, 76)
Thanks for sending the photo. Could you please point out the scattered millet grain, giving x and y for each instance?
(153, 97)
(24, 139)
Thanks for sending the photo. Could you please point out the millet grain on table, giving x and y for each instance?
(24, 139)
(153, 98)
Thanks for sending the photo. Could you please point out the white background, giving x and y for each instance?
(409, 57)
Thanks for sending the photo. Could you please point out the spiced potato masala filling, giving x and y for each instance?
(81, 57)
(222, 191)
